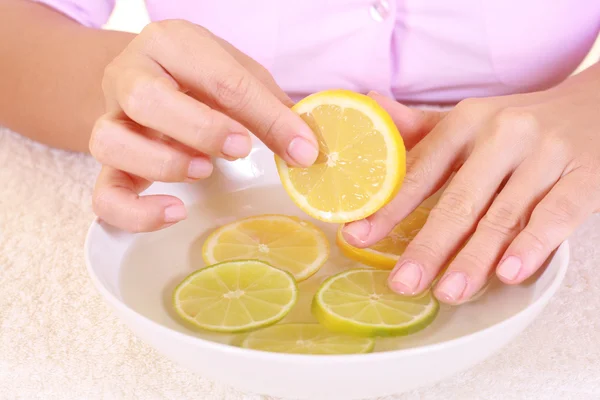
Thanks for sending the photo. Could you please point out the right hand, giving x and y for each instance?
(175, 97)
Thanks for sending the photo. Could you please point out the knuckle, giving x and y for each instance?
(160, 34)
(232, 91)
(100, 203)
(424, 248)
(418, 171)
(158, 30)
(469, 109)
(536, 242)
(169, 169)
(457, 206)
(555, 147)
(141, 96)
(100, 138)
(515, 121)
(204, 132)
(560, 212)
(268, 132)
(503, 218)
(109, 76)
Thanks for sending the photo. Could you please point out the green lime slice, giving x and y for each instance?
(359, 302)
(306, 339)
(235, 296)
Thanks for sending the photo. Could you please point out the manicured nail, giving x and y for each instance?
(452, 286)
(509, 268)
(175, 213)
(199, 168)
(407, 278)
(237, 145)
(303, 152)
(357, 231)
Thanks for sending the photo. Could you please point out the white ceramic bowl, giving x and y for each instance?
(137, 273)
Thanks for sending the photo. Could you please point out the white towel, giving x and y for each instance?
(58, 340)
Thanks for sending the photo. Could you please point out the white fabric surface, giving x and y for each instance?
(58, 340)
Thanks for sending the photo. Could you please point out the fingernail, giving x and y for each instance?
(373, 93)
(452, 286)
(303, 152)
(199, 168)
(237, 145)
(407, 278)
(175, 213)
(509, 268)
(357, 231)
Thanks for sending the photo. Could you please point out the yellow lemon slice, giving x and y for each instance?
(359, 302)
(362, 163)
(235, 296)
(288, 243)
(306, 339)
(385, 253)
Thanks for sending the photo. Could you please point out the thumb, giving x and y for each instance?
(413, 123)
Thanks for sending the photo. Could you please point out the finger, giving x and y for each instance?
(150, 98)
(414, 124)
(116, 201)
(428, 166)
(453, 219)
(501, 223)
(199, 63)
(122, 145)
(565, 207)
(256, 69)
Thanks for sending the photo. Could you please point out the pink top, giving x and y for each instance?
(420, 51)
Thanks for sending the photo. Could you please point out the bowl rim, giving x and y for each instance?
(307, 358)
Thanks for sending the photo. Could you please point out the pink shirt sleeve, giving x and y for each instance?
(91, 13)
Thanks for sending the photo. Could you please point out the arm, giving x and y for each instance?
(51, 71)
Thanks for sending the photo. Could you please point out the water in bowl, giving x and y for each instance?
(158, 261)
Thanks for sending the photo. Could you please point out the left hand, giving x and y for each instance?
(527, 173)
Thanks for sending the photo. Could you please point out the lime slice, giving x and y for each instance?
(306, 339)
(235, 296)
(359, 302)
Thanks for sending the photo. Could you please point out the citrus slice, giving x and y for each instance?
(306, 339)
(235, 296)
(288, 243)
(362, 160)
(385, 253)
(359, 302)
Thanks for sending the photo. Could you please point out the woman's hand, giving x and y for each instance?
(527, 173)
(175, 97)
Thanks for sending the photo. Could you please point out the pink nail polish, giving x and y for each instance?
(175, 213)
(509, 268)
(407, 278)
(452, 286)
(303, 152)
(199, 168)
(357, 231)
(237, 145)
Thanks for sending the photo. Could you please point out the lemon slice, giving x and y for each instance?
(385, 253)
(359, 302)
(284, 242)
(235, 296)
(306, 339)
(362, 161)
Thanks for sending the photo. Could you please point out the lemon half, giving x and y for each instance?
(362, 164)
